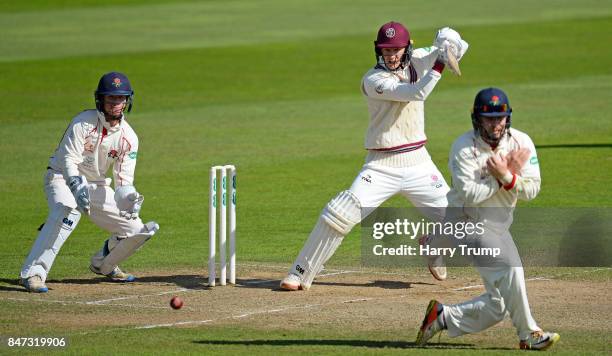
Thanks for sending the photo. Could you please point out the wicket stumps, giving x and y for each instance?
(220, 193)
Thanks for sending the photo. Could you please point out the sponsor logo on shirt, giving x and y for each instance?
(113, 154)
(133, 154)
(88, 161)
(534, 160)
(379, 89)
(88, 147)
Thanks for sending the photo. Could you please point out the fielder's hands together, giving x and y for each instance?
(129, 202)
(498, 167)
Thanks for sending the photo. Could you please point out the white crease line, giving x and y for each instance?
(335, 273)
(68, 302)
(152, 326)
(249, 314)
(276, 310)
(136, 296)
(587, 271)
(481, 285)
(536, 278)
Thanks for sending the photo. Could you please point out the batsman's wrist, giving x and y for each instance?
(438, 66)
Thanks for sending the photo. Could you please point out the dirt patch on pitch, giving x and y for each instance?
(376, 301)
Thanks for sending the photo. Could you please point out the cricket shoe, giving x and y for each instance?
(117, 275)
(434, 263)
(291, 283)
(34, 284)
(539, 340)
(431, 323)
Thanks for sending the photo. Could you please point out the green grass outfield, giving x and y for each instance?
(273, 87)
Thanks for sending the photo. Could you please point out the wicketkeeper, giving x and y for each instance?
(75, 183)
(397, 162)
(492, 167)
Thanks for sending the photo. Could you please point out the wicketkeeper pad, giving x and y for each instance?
(118, 250)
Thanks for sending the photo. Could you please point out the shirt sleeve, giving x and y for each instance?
(125, 165)
(423, 59)
(527, 185)
(388, 86)
(467, 180)
(70, 150)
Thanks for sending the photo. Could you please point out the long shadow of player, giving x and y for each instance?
(189, 281)
(11, 282)
(376, 344)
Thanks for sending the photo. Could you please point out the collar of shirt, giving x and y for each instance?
(106, 124)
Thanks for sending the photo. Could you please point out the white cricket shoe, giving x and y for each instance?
(431, 323)
(117, 275)
(434, 263)
(34, 284)
(291, 283)
(539, 340)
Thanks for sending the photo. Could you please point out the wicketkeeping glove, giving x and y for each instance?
(80, 190)
(129, 201)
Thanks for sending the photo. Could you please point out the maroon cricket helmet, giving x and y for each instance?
(393, 35)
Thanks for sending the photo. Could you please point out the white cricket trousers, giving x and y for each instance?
(506, 293)
(63, 218)
(421, 183)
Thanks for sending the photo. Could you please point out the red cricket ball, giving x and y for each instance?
(176, 302)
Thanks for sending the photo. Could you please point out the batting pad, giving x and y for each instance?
(320, 246)
(343, 212)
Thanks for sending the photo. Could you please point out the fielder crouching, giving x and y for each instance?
(492, 166)
(76, 183)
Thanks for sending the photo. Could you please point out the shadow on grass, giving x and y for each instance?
(385, 284)
(12, 282)
(274, 284)
(184, 281)
(575, 145)
(335, 342)
(201, 282)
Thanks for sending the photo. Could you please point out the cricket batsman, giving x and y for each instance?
(492, 167)
(397, 162)
(76, 184)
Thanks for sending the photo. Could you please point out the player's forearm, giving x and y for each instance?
(123, 171)
(396, 89)
(420, 90)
